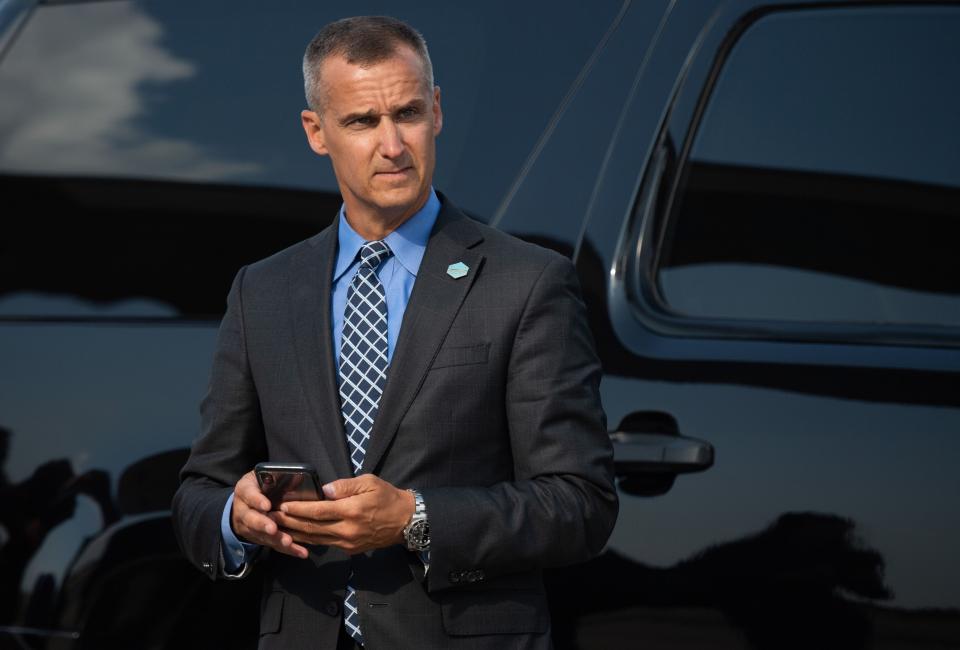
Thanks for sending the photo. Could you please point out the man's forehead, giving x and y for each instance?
(337, 68)
(397, 80)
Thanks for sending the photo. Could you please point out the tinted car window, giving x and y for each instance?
(214, 93)
(823, 182)
(136, 249)
(126, 124)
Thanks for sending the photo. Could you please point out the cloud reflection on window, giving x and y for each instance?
(73, 98)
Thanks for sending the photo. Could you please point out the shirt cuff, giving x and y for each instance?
(236, 553)
(425, 558)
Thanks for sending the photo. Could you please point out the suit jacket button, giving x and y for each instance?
(332, 608)
(455, 576)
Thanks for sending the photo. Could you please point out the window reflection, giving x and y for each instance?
(79, 103)
(141, 249)
(823, 183)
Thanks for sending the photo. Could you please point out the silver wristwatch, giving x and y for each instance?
(417, 532)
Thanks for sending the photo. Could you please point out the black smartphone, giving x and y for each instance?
(288, 482)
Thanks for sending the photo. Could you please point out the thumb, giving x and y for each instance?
(345, 487)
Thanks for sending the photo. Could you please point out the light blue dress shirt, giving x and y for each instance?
(397, 274)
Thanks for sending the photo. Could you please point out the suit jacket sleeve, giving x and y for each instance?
(230, 443)
(562, 504)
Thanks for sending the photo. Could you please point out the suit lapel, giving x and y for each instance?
(310, 277)
(434, 302)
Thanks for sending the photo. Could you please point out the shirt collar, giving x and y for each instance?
(408, 242)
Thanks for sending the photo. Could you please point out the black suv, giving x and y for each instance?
(762, 200)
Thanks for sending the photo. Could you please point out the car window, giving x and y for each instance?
(124, 125)
(823, 180)
(140, 249)
(212, 91)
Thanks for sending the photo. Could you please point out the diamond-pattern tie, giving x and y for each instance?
(363, 372)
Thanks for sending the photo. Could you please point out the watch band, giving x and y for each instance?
(417, 531)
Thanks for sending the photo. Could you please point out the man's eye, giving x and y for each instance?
(362, 121)
(408, 113)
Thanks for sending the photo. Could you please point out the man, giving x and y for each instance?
(405, 347)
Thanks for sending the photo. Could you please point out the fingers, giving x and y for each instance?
(249, 507)
(250, 522)
(307, 529)
(289, 546)
(348, 487)
(342, 488)
(365, 513)
(248, 491)
(319, 510)
(346, 535)
(258, 528)
(359, 514)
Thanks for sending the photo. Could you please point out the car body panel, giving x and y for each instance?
(820, 510)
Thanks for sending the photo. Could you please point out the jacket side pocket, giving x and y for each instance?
(507, 611)
(271, 612)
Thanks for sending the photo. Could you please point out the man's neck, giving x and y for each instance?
(374, 224)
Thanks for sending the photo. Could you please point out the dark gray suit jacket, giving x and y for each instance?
(491, 409)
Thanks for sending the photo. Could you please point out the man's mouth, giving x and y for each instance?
(394, 173)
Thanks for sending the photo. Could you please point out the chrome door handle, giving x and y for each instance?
(659, 453)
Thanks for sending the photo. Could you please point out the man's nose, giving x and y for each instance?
(391, 141)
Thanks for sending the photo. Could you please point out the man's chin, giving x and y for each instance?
(400, 200)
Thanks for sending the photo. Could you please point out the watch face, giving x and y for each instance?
(419, 533)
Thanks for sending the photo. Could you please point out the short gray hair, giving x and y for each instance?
(364, 41)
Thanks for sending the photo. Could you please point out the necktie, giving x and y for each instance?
(363, 372)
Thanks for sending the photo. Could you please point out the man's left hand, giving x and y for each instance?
(359, 514)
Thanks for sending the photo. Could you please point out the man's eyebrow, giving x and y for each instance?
(417, 104)
(350, 117)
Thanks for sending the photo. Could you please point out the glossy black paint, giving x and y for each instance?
(785, 482)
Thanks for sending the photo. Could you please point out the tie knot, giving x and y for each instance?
(374, 252)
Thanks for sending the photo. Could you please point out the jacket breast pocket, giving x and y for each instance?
(494, 611)
(461, 355)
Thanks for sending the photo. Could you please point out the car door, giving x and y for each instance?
(770, 264)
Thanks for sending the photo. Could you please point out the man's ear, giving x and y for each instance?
(437, 112)
(313, 127)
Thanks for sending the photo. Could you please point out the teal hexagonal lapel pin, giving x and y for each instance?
(457, 270)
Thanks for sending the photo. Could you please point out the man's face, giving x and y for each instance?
(378, 127)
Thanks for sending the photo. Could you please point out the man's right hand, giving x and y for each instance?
(250, 521)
